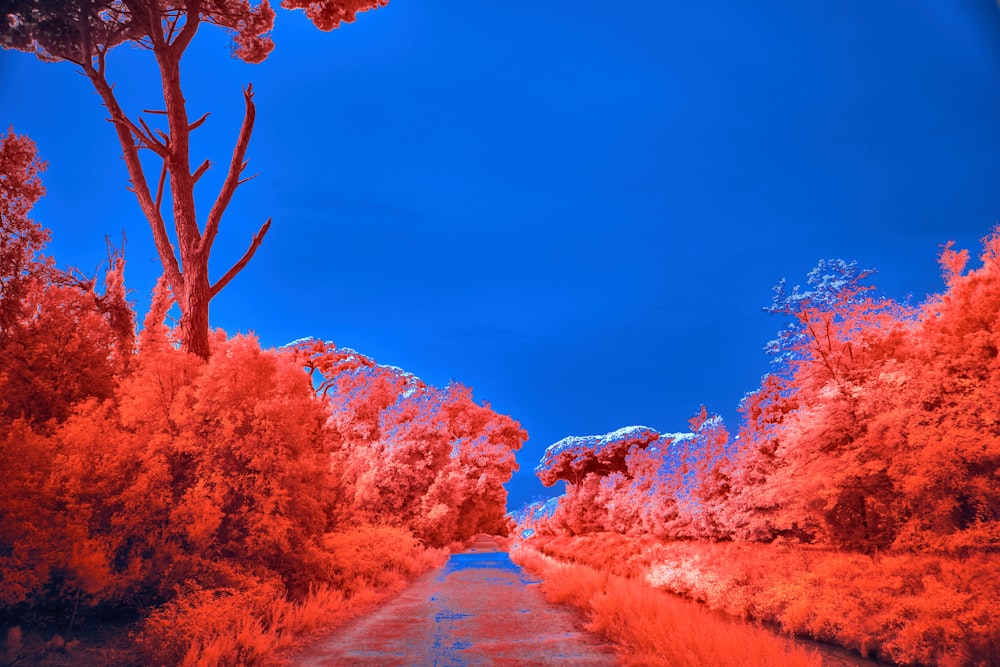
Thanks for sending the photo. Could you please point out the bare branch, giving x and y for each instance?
(159, 187)
(155, 111)
(258, 238)
(236, 167)
(201, 170)
(195, 125)
(173, 27)
(127, 131)
(149, 140)
(138, 137)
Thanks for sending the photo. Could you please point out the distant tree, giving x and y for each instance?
(651, 493)
(599, 482)
(486, 444)
(573, 458)
(410, 454)
(85, 32)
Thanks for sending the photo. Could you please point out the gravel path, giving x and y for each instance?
(479, 609)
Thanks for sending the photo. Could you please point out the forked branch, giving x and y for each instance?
(147, 137)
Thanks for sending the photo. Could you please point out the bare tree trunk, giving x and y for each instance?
(186, 265)
(194, 321)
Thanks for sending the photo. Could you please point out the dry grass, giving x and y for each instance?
(654, 628)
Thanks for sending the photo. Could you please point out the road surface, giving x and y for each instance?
(479, 609)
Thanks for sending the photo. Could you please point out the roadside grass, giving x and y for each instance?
(935, 609)
(653, 628)
(255, 624)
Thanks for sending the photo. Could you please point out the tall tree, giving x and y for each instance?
(84, 32)
(809, 467)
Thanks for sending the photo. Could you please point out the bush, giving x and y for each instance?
(378, 557)
(217, 627)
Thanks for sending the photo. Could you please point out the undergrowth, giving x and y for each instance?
(252, 625)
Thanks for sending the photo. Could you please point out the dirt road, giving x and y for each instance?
(480, 609)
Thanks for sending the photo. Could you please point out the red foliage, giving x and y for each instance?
(572, 459)
(196, 486)
(409, 454)
(61, 341)
(21, 239)
(329, 14)
(876, 431)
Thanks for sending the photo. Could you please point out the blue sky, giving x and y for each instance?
(577, 210)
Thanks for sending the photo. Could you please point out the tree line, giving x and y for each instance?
(877, 429)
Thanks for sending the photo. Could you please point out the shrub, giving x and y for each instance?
(216, 627)
(379, 557)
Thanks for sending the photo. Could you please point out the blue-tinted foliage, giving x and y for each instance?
(832, 286)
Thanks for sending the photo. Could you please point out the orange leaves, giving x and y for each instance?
(373, 557)
(906, 608)
(61, 341)
(188, 468)
(59, 354)
(248, 435)
(885, 436)
(651, 627)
